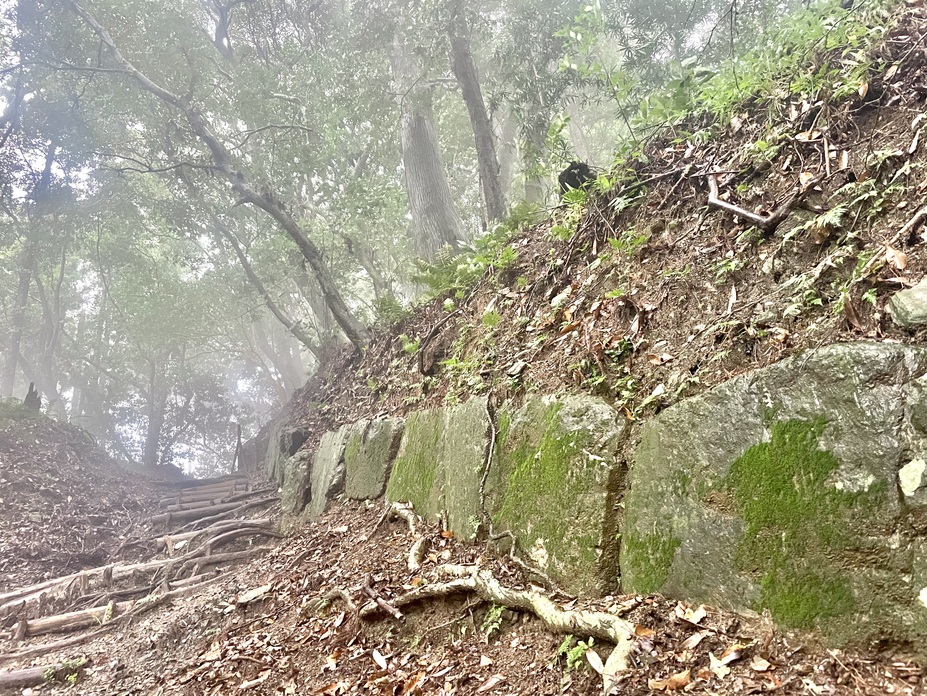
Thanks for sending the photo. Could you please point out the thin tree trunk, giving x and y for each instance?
(435, 222)
(464, 68)
(265, 198)
(533, 156)
(292, 326)
(577, 131)
(508, 152)
(157, 402)
(17, 321)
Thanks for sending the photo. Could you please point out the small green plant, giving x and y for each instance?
(388, 310)
(575, 654)
(492, 622)
(409, 345)
(491, 319)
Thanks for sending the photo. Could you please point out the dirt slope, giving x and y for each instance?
(656, 295)
(64, 504)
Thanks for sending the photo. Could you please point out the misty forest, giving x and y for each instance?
(474, 346)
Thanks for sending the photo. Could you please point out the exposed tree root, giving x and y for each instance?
(34, 676)
(601, 625)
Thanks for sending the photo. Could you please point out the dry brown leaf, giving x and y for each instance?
(852, 316)
(808, 136)
(897, 259)
(447, 534)
(804, 178)
(892, 70)
(660, 359)
(863, 90)
(592, 657)
(412, 685)
(252, 595)
(674, 683)
(718, 668)
(379, 659)
(758, 664)
(644, 632)
(732, 654)
(687, 613)
(334, 688)
(693, 640)
(491, 683)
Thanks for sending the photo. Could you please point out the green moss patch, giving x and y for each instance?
(551, 493)
(798, 524)
(646, 561)
(416, 464)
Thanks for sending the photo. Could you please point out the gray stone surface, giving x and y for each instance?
(295, 490)
(440, 462)
(328, 467)
(798, 488)
(553, 484)
(909, 307)
(368, 457)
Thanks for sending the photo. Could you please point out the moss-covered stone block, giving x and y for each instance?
(552, 483)
(793, 489)
(415, 468)
(368, 457)
(440, 462)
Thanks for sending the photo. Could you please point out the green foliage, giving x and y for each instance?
(492, 622)
(410, 345)
(388, 310)
(491, 319)
(575, 654)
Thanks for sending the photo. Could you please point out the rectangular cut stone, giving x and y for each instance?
(368, 457)
(553, 483)
(440, 462)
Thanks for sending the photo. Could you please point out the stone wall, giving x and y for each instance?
(799, 489)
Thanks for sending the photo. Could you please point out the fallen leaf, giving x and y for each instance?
(660, 359)
(644, 632)
(718, 668)
(412, 684)
(863, 90)
(595, 661)
(808, 136)
(896, 258)
(693, 616)
(252, 595)
(447, 534)
(379, 659)
(334, 688)
(693, 640)
(732, 654)
(804, 178)
(758, 664)
(674, 683)
(485, 661)
(892, 70)
(491, 683)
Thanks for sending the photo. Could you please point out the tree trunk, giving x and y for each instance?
(17, 321)
(157, 402)
(464, 68)
(292, 326)
(508, 152)
(435, 222)
(265, 198)
(535, 130)
(577, 132)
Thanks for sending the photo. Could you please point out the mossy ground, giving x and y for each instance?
(798, 525)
